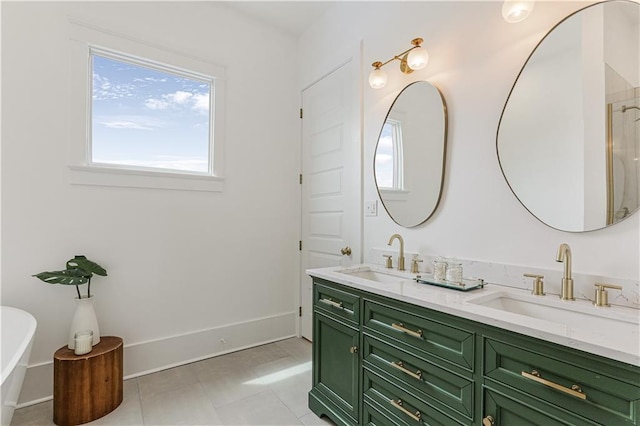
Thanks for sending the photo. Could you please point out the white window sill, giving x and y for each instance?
(118, 177)
(394, 194)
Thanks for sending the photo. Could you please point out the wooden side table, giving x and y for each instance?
(87, 387)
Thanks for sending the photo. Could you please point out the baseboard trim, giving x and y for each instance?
(150, 356)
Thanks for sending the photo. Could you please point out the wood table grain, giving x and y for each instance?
(87, 387)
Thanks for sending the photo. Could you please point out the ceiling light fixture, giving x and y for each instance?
(411, 59)
(516, 10)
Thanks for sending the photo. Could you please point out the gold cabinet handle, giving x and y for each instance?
(488, 421)
(398, 404)
(346, 251)
(400, 326)
(400, 366)
(575, 390)
(353, 349)
(332, 303)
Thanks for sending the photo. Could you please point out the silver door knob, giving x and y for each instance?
(353, 349)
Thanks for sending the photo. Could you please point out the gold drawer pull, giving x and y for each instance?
(400, 326)
(574, 391)
(398, 405)
(400, 366)
(332, 303)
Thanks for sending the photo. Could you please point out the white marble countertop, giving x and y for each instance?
(612, 332)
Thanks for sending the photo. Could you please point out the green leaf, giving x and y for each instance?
(66, 277)
(81, 262)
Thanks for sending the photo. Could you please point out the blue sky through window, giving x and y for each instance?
(147, 117)
(384, 157)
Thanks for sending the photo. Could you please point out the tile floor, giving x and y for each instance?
(265, 385)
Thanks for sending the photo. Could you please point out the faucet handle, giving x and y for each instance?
(602, 297)
(538, 284)
(414, 265)
(389, 262)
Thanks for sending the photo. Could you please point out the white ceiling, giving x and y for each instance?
(292, 17)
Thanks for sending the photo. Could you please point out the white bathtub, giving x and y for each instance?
(18, 328)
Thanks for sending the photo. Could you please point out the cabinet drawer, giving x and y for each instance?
(428, 337)
(336, 303)
(608, 394)
(507, 410)
(398, 405)
(425, 380)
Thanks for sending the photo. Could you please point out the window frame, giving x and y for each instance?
(398, 162)
(144, 63)
(85, 38)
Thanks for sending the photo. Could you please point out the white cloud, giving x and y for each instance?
(383, 159)
(125, 125)
(385, 142)
(201, 102)
(155, 104)
(179, 97)
(149, 80)
(136, 122)
(103, 89)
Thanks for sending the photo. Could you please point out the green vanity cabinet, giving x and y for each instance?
(380, 361)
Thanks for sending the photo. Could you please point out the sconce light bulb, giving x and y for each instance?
(377, 78)
(516, 10)
(418, 58)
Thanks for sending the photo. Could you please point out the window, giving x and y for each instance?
(148, 116)
(389, 167)
(143, 115)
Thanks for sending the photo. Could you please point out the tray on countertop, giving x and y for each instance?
(467, 284)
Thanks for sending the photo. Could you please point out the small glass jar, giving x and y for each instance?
(84, 342)
(454, 271)
(439, 268)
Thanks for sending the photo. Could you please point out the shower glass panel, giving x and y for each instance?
(623, 153)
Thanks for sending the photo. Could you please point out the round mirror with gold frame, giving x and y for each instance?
(410, 154)
(568, 140)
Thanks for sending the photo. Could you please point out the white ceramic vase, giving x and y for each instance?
(84, 318)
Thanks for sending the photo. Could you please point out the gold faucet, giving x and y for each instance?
(564, 255)
(401, 255)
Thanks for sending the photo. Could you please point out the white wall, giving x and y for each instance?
(475, 57)
(179, 262)
(621, 30)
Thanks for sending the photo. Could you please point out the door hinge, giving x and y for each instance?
(300, 311)
(300, 245)
(300, 178)
(301, 113)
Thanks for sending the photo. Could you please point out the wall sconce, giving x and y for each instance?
(516, 10)
(411, 59)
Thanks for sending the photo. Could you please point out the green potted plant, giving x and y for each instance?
(78, 271)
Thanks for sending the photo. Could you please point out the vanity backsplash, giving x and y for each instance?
(512, 276)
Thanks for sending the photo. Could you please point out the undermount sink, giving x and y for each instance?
(580, 314)
(373, 275)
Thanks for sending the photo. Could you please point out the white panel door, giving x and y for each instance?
(331, 178)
